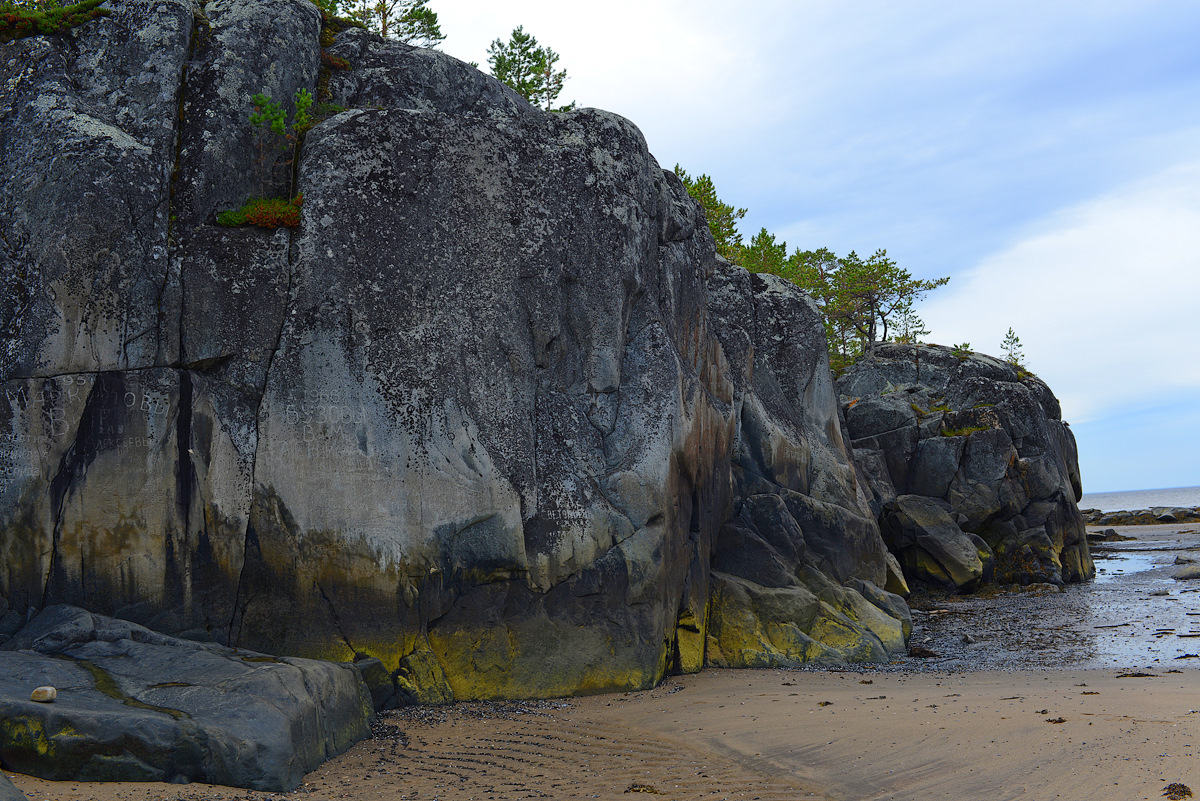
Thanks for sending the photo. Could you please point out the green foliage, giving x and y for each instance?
(966, 431)
(265, 213)
(862, 300)
(765, 255)
(408, 21)
(273, 134)
(20, 18)
(273, 137)
(722, 218)
(267, 114)
(962, 351)
(909, 326)
(529, 69)
(324, 111)
(1013, 353)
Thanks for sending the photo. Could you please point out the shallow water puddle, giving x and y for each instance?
(1116, 564)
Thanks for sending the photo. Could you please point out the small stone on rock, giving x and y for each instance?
(44, 695)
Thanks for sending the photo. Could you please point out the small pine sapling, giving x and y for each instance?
(273, 137)
(1013, 352)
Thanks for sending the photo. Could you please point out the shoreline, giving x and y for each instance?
(979, 720)
(774, 735)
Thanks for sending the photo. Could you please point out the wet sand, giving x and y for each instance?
(1089, 693)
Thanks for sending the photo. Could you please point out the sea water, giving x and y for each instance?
(1141, 499)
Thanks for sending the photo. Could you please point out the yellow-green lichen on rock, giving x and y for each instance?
(420, 679)
(538, 658)
(755, 626)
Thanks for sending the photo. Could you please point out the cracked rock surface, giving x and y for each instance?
(494, 421)
(980, 446)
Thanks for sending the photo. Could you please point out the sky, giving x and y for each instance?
(1045, 156)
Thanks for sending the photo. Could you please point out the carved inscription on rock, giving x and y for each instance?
(42, 419)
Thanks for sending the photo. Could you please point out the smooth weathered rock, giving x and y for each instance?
(931, 547)
(801, 518)
(134, 705)
(43, 694)
(8, 792)
(1141, 517)
(983, 437)
(389, 74)
(90, 120)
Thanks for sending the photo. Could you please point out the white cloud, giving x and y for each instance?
(1103, 296)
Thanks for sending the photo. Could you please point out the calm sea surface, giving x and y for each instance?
(1141, 499)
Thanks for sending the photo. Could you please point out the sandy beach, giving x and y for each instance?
(1088, 693)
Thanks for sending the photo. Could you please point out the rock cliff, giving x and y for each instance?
(971, 467)
(493, 421)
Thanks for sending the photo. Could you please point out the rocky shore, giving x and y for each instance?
(1142, 517)
(492, 422)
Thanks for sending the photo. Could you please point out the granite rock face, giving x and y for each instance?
(493, 421)
(984, 440)
(802, 533)
(135, 705)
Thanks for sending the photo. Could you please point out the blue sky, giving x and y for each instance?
(1046, 156)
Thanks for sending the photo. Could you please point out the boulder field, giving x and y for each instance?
(493, 421)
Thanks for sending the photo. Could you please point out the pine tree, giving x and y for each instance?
(408, 21)
(765, 255)
(529, 69)
(1013, 352)
(722, 218)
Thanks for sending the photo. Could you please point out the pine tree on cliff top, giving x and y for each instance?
(529, 69)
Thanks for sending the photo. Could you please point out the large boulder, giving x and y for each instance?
(931, 546)
(483, 422)
(134, 705)
(982, 437)
(467, 420)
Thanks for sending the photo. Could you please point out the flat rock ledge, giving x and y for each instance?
(135, 705)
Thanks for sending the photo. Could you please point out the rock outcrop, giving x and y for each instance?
(1141, 517)
(986, 442)
(799, 566)
(135, 705)
(494, 421)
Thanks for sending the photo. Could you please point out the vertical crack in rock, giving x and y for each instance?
(174, 249)
(333, 616)
(238, 607)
